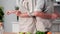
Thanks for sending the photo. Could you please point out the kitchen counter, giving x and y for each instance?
(9, 33)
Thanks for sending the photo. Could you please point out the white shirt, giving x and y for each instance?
(27, 24)
(31, 5)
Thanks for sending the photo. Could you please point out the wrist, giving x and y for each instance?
(29, 14)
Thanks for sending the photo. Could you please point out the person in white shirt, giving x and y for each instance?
(32, 18)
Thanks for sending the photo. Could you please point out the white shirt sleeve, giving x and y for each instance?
(39, 5)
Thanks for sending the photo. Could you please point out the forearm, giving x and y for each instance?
(58, 15)
(42, 15)
(45, 16)
(23, 15)
(48, 16)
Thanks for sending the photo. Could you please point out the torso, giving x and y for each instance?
(28, 5)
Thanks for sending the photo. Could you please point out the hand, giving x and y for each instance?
(1, 24)
(13, 11)
(10, 12)
(18, 13)
(59, 15)
(54, 16)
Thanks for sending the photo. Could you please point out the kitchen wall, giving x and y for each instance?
(0, 2)
(56, 23)
(8, 19)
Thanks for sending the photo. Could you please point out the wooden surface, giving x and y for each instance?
(17, 33)
(9, 33)
(57, 32)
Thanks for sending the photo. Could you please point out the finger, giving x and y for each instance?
(8, 12)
